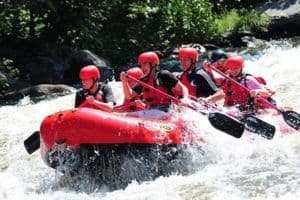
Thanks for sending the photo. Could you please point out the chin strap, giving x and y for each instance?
(191, 66)
(94, 82)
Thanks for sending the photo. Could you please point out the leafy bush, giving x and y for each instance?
(118, 29)
(172, 22)
(235, 21)
(7, 66)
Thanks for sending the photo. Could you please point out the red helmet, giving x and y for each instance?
(191, 53)
(148, 57)
(235, 62)
(89, 72)
(135, 72)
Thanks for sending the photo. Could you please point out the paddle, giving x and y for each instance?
(252, 123)
(32, 143)
(217, 120)
(292, 118)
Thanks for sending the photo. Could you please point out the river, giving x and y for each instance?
(247, 168)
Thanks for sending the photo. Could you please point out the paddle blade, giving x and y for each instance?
(256, 125)
(226, 124)
(32, 143)
(292, 119)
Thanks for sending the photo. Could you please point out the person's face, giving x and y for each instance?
(185, 63)
(235, 71)
(146, 68)
(87, 83)
(221, 65)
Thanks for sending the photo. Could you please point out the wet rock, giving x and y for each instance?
(38, 91)
(285, 18)
(43, 70)
(82, 58)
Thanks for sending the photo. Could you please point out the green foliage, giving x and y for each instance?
(8, 66)
(235, 21)
(3, 85)
(171, 22)
(118, 29)
(14, 20)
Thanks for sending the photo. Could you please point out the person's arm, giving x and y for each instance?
(262, 92)
(140, 104)
(108, 99)
(128, 92)
(183, 88)
(219, 95)
(79, 98)
(258, 89)
(108, 107)
(205, 85)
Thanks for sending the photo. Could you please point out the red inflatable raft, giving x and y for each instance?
(92, 139)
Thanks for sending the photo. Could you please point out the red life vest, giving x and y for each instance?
(151, 97)
(235, 94)
(218, 80)
(185, 81)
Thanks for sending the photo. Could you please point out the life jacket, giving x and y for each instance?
(235, 94)
(238, 95)
(98, 95)
(152, 98)
(188, 82)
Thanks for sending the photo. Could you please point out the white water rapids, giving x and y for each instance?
(248, 168)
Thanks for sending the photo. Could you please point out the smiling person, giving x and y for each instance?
(198, 82)
(136, 73)
(131, 103)
(236, 95)
(94, 94)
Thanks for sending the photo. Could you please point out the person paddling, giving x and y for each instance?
(218, 60)
(94, 94)
(198, 82)
(131, 103)
(236, 95)
(162, 80)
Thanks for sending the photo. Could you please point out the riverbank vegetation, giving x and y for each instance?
(117, 29)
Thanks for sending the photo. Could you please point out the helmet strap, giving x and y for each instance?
(94, 82)
(191, 66)
(152, 68)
